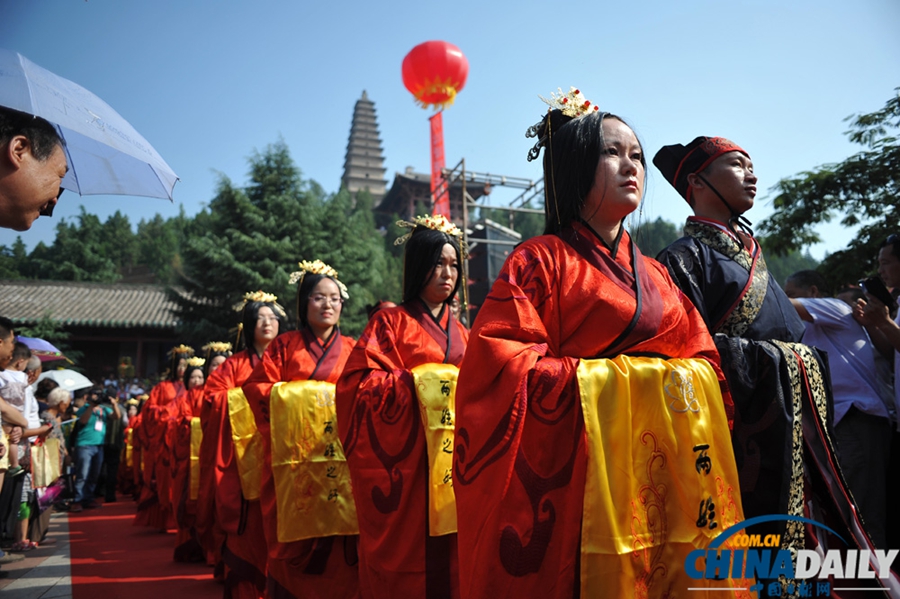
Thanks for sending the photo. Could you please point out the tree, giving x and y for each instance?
(252, 238)
(864, 190)
(652, 237)
(79, 252)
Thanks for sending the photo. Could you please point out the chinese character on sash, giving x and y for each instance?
(331, 472)
(447, 446)
(328, 427)
(448, 477)
(703, 463)
(445, 388)
(707, 514)
(329, 450)
(446, 417)
(332, 495)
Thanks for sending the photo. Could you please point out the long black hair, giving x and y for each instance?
(572, 151)
(248, 321)
(187, 374)
(304, 291)
(423, 252)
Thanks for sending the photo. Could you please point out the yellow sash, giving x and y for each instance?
(196, 440)
(248, 450)
(661, 477)
(436, 390)
(312, 481)
(129, 448)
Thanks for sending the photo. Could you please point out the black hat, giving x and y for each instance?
(676, 162)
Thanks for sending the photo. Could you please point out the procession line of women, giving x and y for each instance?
(578, 442)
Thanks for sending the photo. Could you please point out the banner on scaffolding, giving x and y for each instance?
(439, 191)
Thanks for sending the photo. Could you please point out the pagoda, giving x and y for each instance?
(364, 163)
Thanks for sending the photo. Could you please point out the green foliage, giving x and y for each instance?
(652, 237)
(862, 190)
(252, 238)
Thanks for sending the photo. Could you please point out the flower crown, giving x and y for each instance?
(572, 104)
(181, 349)
(317, 267)
(196, 361)
(134, 401)
(262, 297)
(437, 222)
(220, 347)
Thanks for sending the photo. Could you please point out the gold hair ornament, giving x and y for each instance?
(196, 361)
(436, 222)
(181, 349)
(572, 104)
(216, 346)
(317, 267)
(133, 402)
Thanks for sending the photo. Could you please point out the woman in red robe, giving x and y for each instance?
(229, 519)
(178, 441)
(154, 508)
(303, 564)
(541, 465)
(406, 550)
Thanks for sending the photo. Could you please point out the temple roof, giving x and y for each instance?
(88, 304)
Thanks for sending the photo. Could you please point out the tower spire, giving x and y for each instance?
(364, 162)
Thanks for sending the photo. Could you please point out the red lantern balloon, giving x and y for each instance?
(434, 72)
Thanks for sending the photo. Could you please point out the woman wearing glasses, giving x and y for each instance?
(308, 513)
(229, 518)
(403, 373)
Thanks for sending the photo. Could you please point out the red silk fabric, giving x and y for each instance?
(519, 471)
(384, 441)
(312, 568)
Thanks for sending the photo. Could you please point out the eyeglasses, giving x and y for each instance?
(321, 299)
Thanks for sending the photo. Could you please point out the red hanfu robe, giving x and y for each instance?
(154, 506)
(223, 514)
(136, 454)
(318, 568)
(384, 441)
(521, 450)
(178, 439)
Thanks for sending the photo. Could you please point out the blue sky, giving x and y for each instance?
(208, 83)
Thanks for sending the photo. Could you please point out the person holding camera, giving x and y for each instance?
(88, 444)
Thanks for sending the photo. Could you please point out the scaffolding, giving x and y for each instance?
(530, 190)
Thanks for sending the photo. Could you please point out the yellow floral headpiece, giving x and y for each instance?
(258, 296)
(143, 397)
(317, 267)
(196, 361)
(181, 349)
(572, 104)
(133, 401)
(437, 222)
(220, 347)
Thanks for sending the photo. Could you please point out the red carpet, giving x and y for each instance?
(111, 559)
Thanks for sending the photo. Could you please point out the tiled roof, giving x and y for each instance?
(87, 304)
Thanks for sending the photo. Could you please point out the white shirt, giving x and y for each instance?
(17, 392)
(851, 356)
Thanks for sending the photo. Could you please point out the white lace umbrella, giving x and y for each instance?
(105, 154)
(67, 379)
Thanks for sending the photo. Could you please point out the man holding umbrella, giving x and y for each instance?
(32, 165)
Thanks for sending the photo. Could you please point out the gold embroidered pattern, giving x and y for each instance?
(740, 319)
(794, 532)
